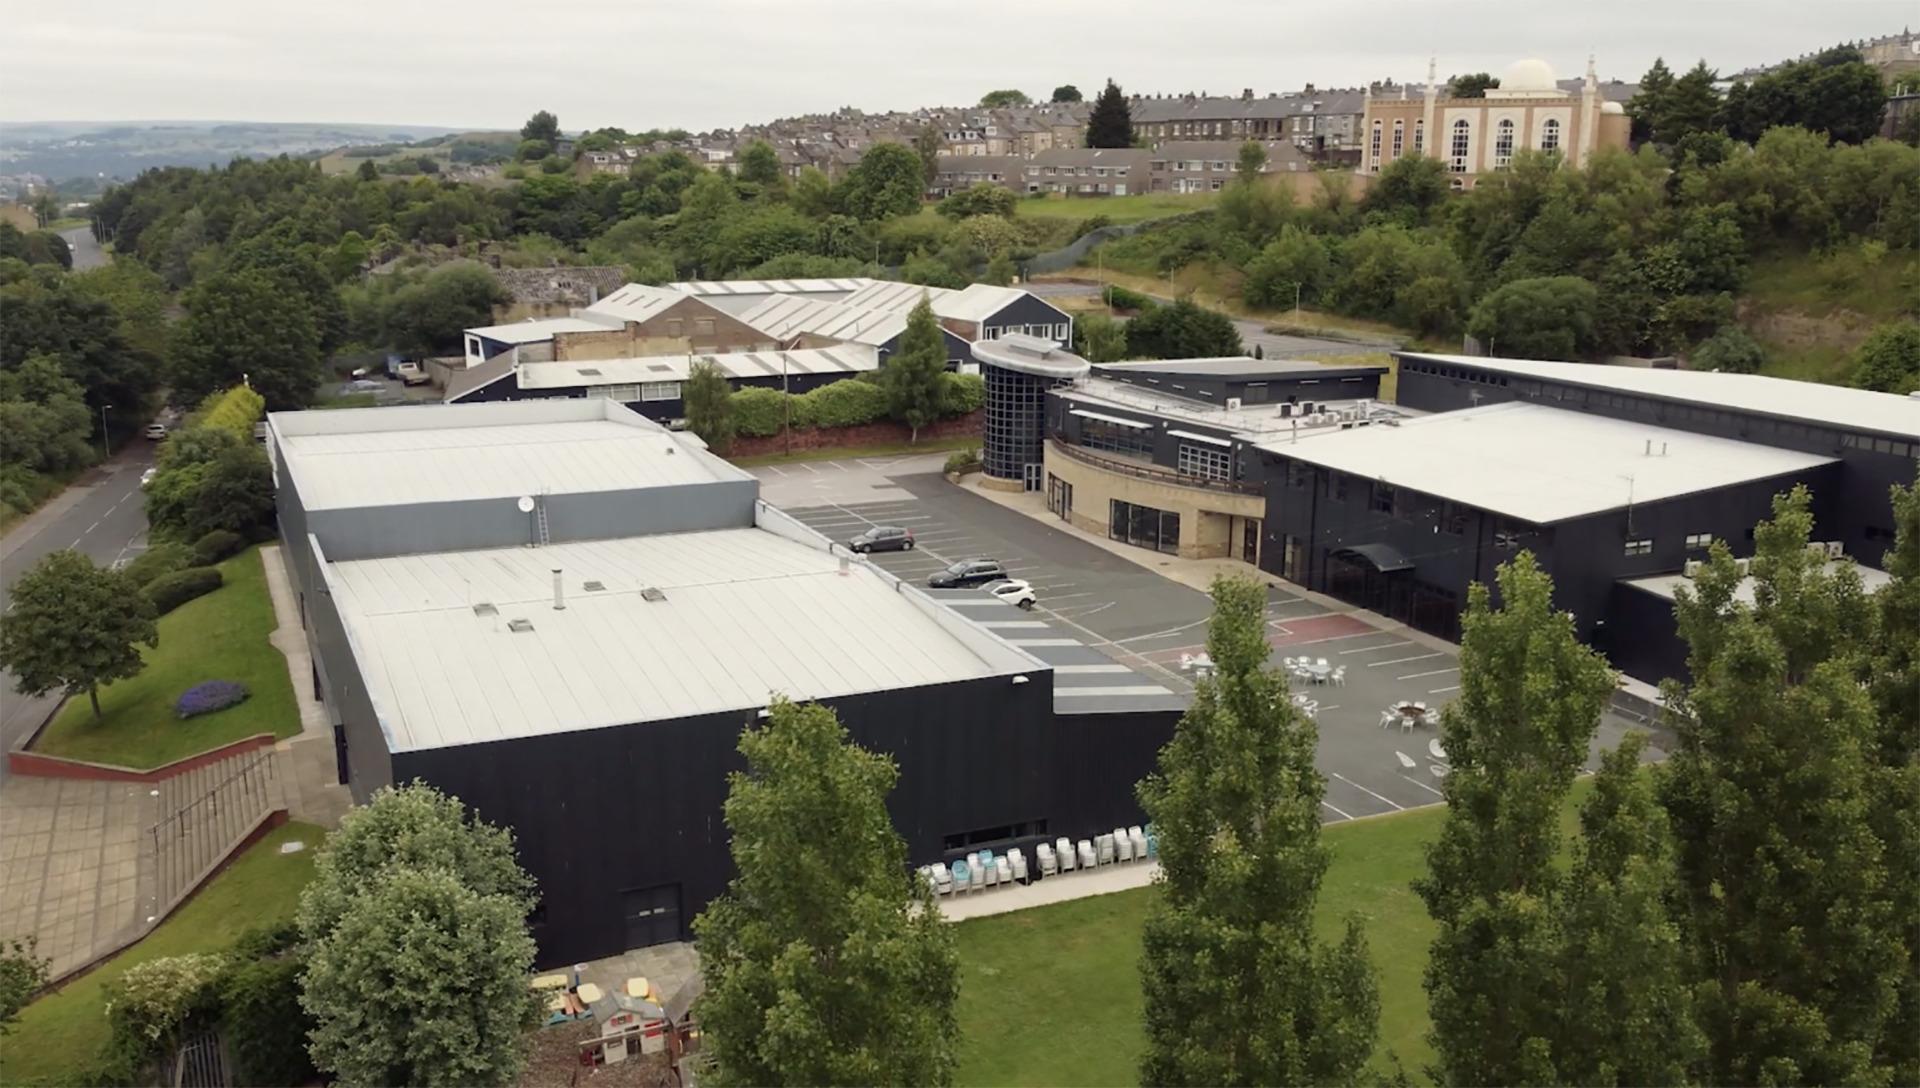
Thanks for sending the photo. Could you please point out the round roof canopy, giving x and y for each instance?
(1030, 355)
(1532, 74)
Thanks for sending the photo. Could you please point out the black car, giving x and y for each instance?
(883, 538)
(967, 572)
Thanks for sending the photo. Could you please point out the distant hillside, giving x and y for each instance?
(121, 149)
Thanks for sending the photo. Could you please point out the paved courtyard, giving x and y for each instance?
(1142, 608)
(70, 865)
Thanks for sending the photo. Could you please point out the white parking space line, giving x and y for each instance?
(1075, 609)
(1382, 646)
(1081, 670)
(1335, 811)
(1402, 660)
(1420, 675)
(1423, 786)
(1397, 806)
(776, 470)
(810, 468)
(1010, 625)
(1046, 642)
(1443, 691)
(1052, 596)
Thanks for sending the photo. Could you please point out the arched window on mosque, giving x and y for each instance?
(1419, 136)
(1550, 135)
(1462, 143)
(1399, 136)
(1373, 152)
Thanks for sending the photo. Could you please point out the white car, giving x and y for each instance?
(1014, 591)
(147, 476)
(156, 431)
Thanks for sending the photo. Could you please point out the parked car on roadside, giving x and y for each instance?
(156, 431)
(967, 572)
(147, 476)
(883, 538)
(1014, 591)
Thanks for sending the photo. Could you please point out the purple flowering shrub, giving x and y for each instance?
(208, 697)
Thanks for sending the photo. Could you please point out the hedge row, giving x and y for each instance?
(170, 591)
(759, 412)
(234, 411)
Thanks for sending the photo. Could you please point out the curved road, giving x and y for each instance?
(87, 253)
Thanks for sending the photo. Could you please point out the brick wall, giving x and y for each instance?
(867, 434)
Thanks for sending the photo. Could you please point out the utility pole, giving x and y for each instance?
(104, 448)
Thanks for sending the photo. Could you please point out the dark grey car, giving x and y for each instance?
(967, 572)
(883, 538)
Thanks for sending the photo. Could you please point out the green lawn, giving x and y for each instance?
(66, 1028)
(836, 453)
(222, 636)
(1053, 995)
(1119, 209)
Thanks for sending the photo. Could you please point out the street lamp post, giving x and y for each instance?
(104, 447)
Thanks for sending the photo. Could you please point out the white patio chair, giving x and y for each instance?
(1003, 869)
(1063, 847)
(1122, 845)
(1049, 865)
(1438, 771)
(1406, 724)
(1406, 761)
(1324, 663)
(1386, 719)
(1087, 857)
(1103, 849)
(1139, 838)
(1340, 677)
(1435, 750)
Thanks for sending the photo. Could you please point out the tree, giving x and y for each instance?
(210, 479)
(542, 126)
(1895, 688)
(842, 981)
(1253, 159)
(412, 826)
(888, 181)
(1692, 105)
(1648, 107)
(1295, 266)
(22, 973)
(813, 192)
(1624, 1011)
(1182, 330)
(1551, 317)
(927, 145)
(246, 326)
(367, 171)
(1472, 85)
(709, 405)
(1785, 894)
(62, 318)
(429, 315)
(1730, 351)
(760, 165)
(73, 626)
(995, 100)
(1242, 991)
(1111, 123)
(981, 198)
(1098, 338)
(999, 271)
(911, 376)
(1889, 359)
(1530, 699)
(422, 981)
(1845, 98)
(1066, 92)
(1408, 190)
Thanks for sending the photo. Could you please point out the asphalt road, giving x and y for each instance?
(86, 252)
(1272, 345)
(106, 521)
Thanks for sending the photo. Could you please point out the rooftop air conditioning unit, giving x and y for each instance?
(1233, 404)
(1835, 549)
(1286, 411)
(1692, 568)
(1741, 565)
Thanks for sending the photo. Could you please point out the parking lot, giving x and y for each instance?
(1131, 613)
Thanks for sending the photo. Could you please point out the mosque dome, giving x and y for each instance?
(1612, 107)
(1530, 75)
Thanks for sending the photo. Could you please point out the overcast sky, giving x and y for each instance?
(699, 64)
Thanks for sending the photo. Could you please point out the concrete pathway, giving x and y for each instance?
(71, 867)
(309, 776)
(1080, 884)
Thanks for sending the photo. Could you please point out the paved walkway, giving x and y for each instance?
(309, 776)
(71, 869)
(1080, 884)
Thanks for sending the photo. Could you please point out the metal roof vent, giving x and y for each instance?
(594, 587)
(520, 626)
(485, 609)
(589, 371)
(653, 593)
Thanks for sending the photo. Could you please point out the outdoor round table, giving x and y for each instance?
(1319, 672)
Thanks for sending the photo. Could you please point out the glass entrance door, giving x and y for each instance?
(1033, 475)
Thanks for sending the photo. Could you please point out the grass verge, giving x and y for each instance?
(1119, 209)
(836, 453)
(221, 636)
(1053, 995)
(66, 1028)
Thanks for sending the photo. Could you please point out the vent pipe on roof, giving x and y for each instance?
(559, 594)
(1649, 450)
(843, 566)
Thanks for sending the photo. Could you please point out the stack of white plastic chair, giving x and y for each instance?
(1064, 848)
(942, 879)
(1019, 862)
(1122, 845)
(1087, 857)
(976, 877)
(962, 875)
(1103, 848)
(1049, 865)
(1003, 869)
(983, 861)
(1139, 839)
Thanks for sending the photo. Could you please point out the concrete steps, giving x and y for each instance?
(202, 815)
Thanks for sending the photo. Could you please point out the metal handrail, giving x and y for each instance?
(1150, 472)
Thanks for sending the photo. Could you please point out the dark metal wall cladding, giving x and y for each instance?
(599, 811)
(1336, 384)
(659, 411)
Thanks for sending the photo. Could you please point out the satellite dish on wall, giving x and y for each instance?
(525, 504)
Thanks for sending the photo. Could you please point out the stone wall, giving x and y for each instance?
(866, 434)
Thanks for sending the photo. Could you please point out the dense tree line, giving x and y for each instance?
(1635, 253)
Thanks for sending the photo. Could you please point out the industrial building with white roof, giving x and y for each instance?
(565, 614)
